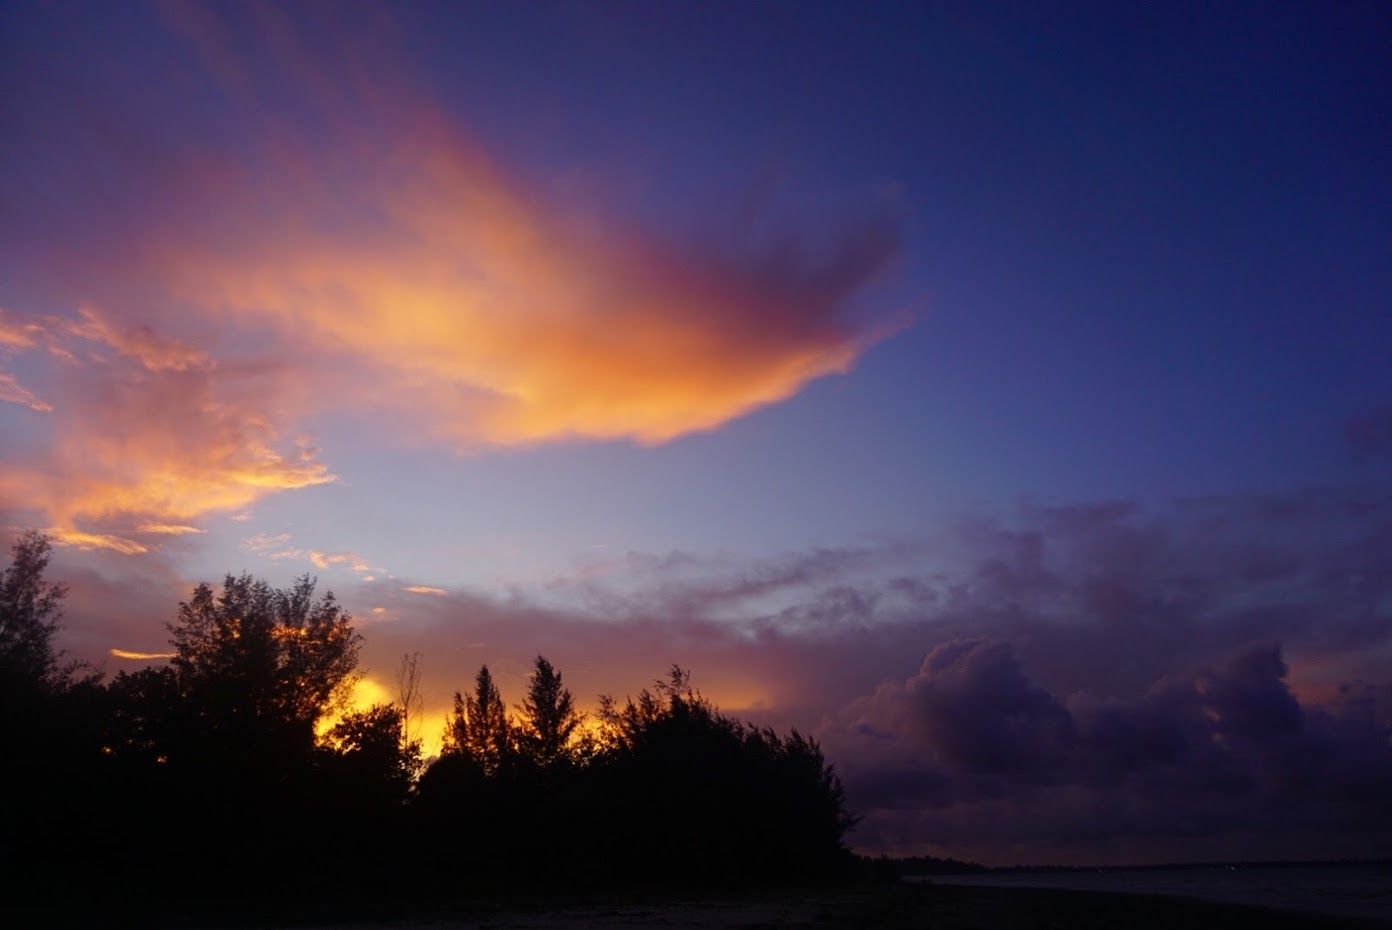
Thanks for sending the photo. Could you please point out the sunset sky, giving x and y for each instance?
(1002, 394)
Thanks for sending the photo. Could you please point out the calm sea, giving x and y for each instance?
(1348, 890)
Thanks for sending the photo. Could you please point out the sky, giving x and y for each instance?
(999, 393)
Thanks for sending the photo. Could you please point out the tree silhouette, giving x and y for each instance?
(548, 717)
(478, 725)
(258, 662)
(29, 611)
(408, 694)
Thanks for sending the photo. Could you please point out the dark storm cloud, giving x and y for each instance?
(1227, 749)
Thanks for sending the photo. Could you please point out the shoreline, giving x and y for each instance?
(904, 904)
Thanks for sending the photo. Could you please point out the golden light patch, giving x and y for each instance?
(168, 529)
(364, 694)
(140, 656)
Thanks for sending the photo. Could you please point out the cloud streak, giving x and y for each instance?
(140, 656)
(149, 434)
(12, 392)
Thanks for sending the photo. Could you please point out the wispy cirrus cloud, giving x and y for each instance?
(266, 542)
(80, 539)
(277, 546)
(12, 392)
(169, 529)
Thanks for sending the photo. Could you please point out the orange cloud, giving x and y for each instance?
(383, 265)
(278, 547)
(325, 559)
(138, 342)
(515, 322)
(16, 333)
(150, 435)
(168, 529)
(425, 589)
(78, 539)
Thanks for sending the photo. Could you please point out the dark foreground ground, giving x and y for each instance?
(930, 908)
(903, 905)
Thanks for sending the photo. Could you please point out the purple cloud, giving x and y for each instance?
(939, 760)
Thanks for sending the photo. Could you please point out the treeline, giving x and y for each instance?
(218, 774)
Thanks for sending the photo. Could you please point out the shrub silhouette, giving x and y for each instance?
(262, 665)
(739, 798)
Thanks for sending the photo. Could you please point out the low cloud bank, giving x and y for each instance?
(973, 756)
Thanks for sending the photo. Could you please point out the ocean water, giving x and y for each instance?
(1347, 890)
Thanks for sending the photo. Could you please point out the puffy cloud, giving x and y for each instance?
(983, 760)
(972, 704)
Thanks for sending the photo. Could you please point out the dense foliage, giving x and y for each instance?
(237, 769)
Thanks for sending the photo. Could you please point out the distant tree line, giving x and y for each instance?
(218, 774)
